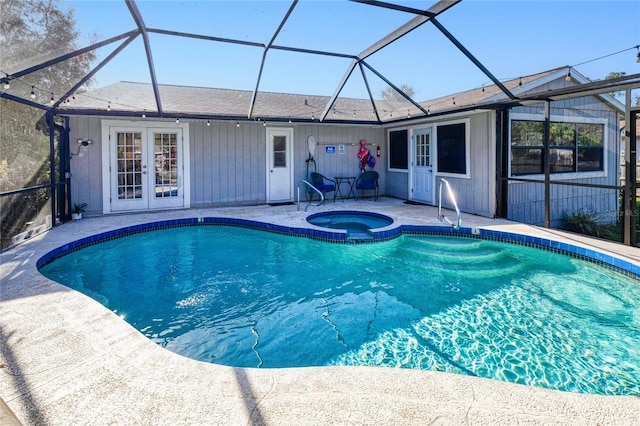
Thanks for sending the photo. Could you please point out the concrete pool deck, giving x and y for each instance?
(66, 359)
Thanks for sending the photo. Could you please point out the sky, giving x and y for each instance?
(510, 38)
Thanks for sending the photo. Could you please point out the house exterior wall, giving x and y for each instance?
(526, 200)
(86, 163)
(476, 193)
(228, 163)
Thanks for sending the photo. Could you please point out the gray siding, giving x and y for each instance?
(397, 184)
(228, 163)
(86, 167)
(526, 200)
(346, 164)
(474, 194)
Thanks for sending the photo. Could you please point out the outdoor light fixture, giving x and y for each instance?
(237, 124)
(568, 77)
(177, 120)
(52, 101)
(454, 100)
(637, 57)
(378, 151)
(86, 142)
(144, 114)
(33, 93)
(520, 83)
(109, 106)
(208, 122)
(6, 85)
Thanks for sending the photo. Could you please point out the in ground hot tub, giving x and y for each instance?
(356, 223)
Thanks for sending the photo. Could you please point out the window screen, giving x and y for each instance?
(398, 150)
(452, 155)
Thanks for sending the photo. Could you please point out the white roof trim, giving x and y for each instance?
(560, 73)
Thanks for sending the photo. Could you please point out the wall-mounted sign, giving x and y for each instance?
(341, 148)
(330, 150)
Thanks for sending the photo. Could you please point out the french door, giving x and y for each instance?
(146, 168)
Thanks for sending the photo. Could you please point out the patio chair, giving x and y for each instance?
(368, 181)
(323, 184)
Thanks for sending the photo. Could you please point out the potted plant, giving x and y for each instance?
(78, 209)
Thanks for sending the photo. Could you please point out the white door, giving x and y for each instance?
(422, 166)
(279, 165)
(146, 168)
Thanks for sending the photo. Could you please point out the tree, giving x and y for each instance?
(31, 32)
(390, 94)
(611, 76)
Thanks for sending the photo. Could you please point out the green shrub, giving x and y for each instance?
(581, 223)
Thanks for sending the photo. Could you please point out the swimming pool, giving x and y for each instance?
(504, 318)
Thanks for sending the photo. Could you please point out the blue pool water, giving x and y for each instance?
(243, 297)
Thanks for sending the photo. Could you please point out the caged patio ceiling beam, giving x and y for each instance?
(95, 70)
(366, 83)
(407, 97)
(472, 58)
(65, 57)
(137, 17)
(399, 32)
(264, 56)
(447, 34)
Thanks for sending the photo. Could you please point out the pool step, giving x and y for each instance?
(358, 236)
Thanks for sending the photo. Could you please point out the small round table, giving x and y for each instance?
(349, 180)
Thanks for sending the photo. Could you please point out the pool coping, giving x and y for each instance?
(70, 360)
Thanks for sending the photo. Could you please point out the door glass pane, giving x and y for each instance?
(422, 150)
(279, 151)
(129, 159)
(165, 147)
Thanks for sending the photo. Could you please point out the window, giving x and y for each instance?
(398, 150)
(573, 147)
(452, 148)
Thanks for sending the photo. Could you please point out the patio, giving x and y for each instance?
(68, 360)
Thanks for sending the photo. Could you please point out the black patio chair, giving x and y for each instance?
(368, 181)
(323, 184)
